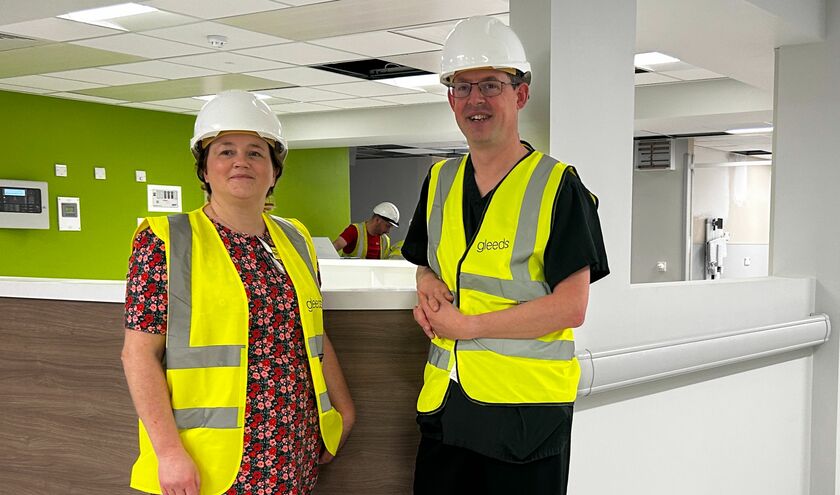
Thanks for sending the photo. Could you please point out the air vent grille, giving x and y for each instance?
(654, 154)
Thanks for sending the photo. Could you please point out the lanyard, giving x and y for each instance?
(272, 252)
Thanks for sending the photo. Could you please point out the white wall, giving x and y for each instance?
(641, 441)
(659, 221)
(805, 231)
(723, 432)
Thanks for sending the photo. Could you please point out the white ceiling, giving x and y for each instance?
(164, 59)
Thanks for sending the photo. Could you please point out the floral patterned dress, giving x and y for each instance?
(282, 434)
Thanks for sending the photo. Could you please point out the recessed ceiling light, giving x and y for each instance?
(653, 58)
(751, 130)
(102, 15)
(413, 82)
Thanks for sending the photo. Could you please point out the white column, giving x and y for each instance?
(806, 199)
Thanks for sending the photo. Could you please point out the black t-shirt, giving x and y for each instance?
(515, 433)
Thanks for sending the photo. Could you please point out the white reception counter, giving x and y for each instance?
(346, 284)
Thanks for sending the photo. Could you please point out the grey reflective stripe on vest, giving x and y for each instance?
(326, 405)
(557, 350)
(516, 290)
(316, 346)
(298, 242)
(446, 177)
(529, 214)
(438, 357)
(206, 417)
(179, 354)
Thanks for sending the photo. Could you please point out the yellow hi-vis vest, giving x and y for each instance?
(500, 267)
(361, 249)
(206, 359)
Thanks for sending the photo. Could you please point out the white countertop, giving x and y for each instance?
(346, 284)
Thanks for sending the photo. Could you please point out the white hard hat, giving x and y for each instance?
(238, 110)
(482, 41)
(389, 212)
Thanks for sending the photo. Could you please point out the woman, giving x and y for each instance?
(237, 388)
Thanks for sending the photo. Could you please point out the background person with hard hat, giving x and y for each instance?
(237, 386)
(375, 244)
(507, 241)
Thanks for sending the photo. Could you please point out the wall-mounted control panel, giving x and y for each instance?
(23, 204)
(69, 216)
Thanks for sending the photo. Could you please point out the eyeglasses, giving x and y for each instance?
(490, 87)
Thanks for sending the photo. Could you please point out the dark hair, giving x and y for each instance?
(201, 169)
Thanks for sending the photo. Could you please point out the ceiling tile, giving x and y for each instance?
(147, 106)
(196, 34)
(301, 54)
(357, 103)
(367, 89)
(434, 33)
(55, 29)
(652, 78)
(304, 2)
(12, 42)
(692, 74)
(203, 9)
(305, 94)
(95, 99)
(378, 43)
(56, 57)
(303, 76)
(229, 62)
(181, 88)
(101, 76)
(414, 98)
(51, 83)
(161, 69)
(359, 16)
(428, 61)
(142, 46)
(23, 89)
(300, 107)
(182, 103)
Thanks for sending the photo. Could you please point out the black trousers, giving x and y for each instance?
(444, 469)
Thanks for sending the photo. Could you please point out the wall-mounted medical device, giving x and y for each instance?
(23, 204)
(69, 216)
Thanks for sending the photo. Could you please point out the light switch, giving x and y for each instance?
(60, 170)
(99, 173)
(747, 261)
(140, 175)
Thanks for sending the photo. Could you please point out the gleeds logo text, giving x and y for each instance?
(488, 245)
(313, 304)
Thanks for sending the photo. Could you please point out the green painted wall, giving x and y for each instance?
(38, 132)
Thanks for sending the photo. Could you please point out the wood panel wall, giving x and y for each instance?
(67, 425)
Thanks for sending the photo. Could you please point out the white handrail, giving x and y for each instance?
(609, 370)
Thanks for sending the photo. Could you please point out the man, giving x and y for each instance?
(375, 244)
(507, 241)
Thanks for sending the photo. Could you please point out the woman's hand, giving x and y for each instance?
(178, 474)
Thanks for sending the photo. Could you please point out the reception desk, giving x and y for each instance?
(68, 422)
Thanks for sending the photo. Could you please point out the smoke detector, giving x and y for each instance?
(216, 40)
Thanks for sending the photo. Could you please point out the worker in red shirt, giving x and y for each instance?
(375, 244)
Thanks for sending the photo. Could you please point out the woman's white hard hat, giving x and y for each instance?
(482, 42)
(238, 110)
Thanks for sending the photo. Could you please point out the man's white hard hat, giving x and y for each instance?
(389, 212)
(482, 42)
